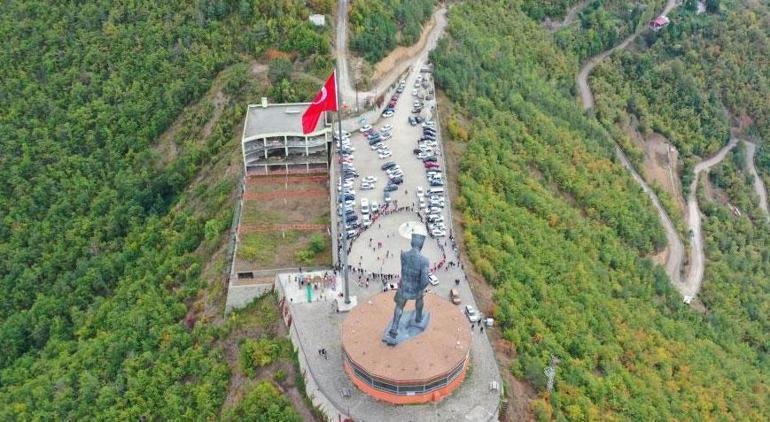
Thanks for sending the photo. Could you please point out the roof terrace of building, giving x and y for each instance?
(265, 120)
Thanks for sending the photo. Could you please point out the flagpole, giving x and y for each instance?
(344, 194)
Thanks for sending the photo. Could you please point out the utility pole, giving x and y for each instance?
(344, 192)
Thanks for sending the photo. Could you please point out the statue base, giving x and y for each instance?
(407, 328)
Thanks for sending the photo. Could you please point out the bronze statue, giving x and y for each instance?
(414, 279)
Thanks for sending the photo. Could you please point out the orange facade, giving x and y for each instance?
(433, 396)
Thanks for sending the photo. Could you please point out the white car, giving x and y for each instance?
(386, 136)
(472, 313)
(387, 128)
(387, 113)
(433, 280)
(386, 154)
(420, 192)
(375, 207)
(367, 221)
(438, 233)
(365, 128)
(364, 206)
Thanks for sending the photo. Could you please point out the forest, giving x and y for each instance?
(561, 231)
(378, 26)
(107, 233)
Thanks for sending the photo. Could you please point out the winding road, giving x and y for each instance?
(759, 185)
(552, 26)
(675, 245)
(347, 88)
(590, 64)
(697, 256)
(691, 284)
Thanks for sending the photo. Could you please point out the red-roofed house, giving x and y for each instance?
(659, 22)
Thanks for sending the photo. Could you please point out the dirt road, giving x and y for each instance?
(697, 256)
(675, 245)
(759, 185)
(552, 26)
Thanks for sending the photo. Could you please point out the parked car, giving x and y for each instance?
(375, 207)
(387, 165)
(472, 313)
(431, 158)
(387, 113)
(387, 128)
(364, 206)
(387, 198)
(365, 128)
(412, 121)
(433, 280)
(390, 187)
(431, 165)
(454, 296)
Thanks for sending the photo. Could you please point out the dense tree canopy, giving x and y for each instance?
(561, 231)
(99, 245)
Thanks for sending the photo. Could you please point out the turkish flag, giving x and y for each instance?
(325, 100)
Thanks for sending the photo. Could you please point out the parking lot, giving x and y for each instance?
(375, 250)
(398, 143)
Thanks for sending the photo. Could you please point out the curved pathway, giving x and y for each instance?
(759, 185)
(588, 66)
(552, 26)
(675, 245)
(697, 256)
(346, 87)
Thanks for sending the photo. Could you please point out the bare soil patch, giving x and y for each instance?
(402, 53)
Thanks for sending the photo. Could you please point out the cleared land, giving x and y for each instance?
(273, 210)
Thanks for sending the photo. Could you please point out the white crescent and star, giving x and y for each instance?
(323, 96)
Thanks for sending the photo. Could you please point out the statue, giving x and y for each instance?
(414, 279)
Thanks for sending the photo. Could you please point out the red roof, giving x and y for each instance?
(659, 21)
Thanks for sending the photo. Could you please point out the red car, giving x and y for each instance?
(431, 165)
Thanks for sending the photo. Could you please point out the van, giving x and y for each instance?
(454, 295)
(436, 191)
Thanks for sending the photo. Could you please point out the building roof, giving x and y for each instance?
(276, 119)
(659, 21)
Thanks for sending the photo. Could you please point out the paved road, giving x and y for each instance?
(697, 256)
(759, 186)
(588, 67)
(347, 88)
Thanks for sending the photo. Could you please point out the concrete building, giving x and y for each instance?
(273, 142)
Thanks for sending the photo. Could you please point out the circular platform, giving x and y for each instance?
(420, 370)
(406, 229)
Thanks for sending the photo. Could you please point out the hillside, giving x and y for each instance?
(118, 170)
(379, 26)
(562, 232)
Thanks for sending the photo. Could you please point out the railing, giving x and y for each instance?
(405, 388)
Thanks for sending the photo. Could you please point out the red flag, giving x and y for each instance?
(325, 100)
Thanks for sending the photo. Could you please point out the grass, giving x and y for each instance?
(279, 250)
